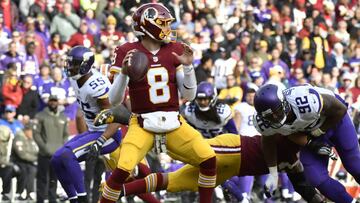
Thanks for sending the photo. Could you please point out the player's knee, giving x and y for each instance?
(209, 163)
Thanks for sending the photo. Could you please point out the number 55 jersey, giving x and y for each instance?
(158, 90)
(306, 102)
(96, 87)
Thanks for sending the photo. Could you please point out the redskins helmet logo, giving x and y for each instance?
(149, 14)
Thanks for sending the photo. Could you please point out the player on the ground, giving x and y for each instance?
(323, 116)
(236, 155)
(91, 90)
(155, 102)
(207, 115)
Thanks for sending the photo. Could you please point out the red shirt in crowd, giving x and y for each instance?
(78, 38)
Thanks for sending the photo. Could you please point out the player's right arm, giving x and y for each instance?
(269, 148)
(121, 79)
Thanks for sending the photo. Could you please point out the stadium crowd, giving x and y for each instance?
(237, 44)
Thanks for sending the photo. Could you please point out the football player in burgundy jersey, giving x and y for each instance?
(155, 103)
(236, 156)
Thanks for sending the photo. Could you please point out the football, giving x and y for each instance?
(139, 65)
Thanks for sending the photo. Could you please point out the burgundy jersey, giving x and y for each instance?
(158, 90)
(252, 157)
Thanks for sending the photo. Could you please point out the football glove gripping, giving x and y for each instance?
(104, 117)
(271, 183)
(321, 149)
(118, 114)
(95, 148)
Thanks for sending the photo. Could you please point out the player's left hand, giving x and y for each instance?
(187, 57)
(95, 148)
(271, 182)
(321, 149)
(104, 117)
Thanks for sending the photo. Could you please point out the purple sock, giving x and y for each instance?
(62, 174)
(234, 190)
(72, 173)
(245, 183)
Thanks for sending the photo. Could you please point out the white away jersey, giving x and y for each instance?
(306, 102)
(247, 112)
(208, 129)
(96, 87)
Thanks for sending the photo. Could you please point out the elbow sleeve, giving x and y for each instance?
(189, 83)
(117, 90)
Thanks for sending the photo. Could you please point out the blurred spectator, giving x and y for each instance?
(24, 7)
(62, 89)
(42, 78)
(50, 133)
(346, 83)
(214, 51)
(354, 61)
(223, 67)
(11, 90)
(327, 83)
(307, 28)
(24, 155)
(291, 55)
(11, 56)
(257, 78)
(256, 52)
(6, 168)
(261, 12)
(110, 36)
(56, 46)
(317, 44)
(276, 74)
(41, 8)
(10, 14)
(5, 37)
(297, 78)
(65, 23)
(232, 94)
(30, 103)
(275, 62)
(342, 34)
(176, 8)
(10, 121)
(203, 71)
(94, 26)
(30, 60)
(42, 30)
(82, 37)
(355, 91)
(240, 72)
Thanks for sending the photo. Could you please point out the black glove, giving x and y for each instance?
(95, 148)
(321, 149)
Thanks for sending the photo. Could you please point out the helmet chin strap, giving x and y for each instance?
(204, 108)
(76, 77)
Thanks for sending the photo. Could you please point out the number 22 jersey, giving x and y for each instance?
(158, 90)
(306, 103)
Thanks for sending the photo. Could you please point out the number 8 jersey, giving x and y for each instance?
(158, 90)
(306, 103)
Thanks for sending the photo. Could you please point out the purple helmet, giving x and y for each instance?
(205, 90)
(271, 105)
(79, 62)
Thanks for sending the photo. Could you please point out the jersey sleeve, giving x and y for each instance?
(225, 113)
(262, 127)
(119, 55)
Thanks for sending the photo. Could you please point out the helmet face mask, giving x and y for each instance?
(79, 62)
(154, 20)
(276, 118)
(206, 96)
(271, 105)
